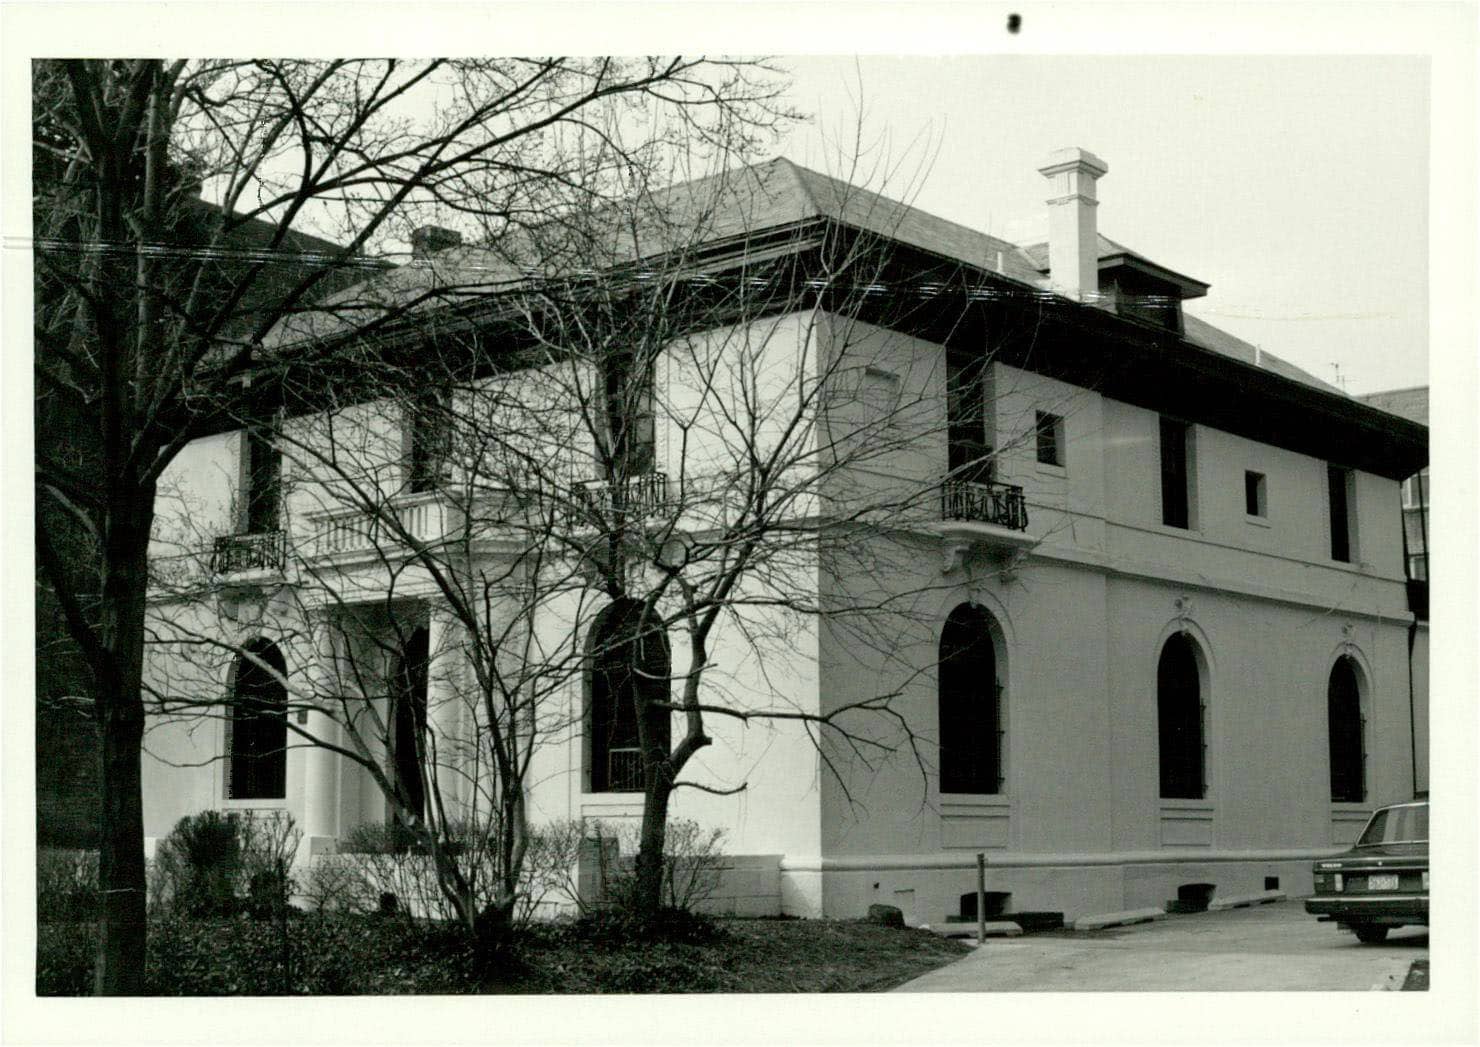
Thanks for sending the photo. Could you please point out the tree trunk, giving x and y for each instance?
(647, 887)
(122, 932)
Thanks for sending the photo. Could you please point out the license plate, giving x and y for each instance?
(1387, 882)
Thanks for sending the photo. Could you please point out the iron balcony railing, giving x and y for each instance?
(624, 770)
(265, 551)
(641, 495)
(993, 503)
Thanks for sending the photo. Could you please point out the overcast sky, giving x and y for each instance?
(1296, 186)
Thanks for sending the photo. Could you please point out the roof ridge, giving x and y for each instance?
(795, 170)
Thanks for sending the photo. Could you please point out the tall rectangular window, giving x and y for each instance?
(1049, 430)
(429, 439)
(968, 450)
(1338, 480)
(261, 478)
(628, 415)
(1254, 496)
(1175, 503)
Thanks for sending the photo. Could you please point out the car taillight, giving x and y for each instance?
(1337, 884)
(1426, 879)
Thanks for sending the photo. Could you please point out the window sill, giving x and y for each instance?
(1048, 469)
(975, 801)
(1186, 807)
(246, 805)
(1256, 521)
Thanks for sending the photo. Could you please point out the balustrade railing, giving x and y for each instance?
(354, 529)
(265, 551)
(993, 503)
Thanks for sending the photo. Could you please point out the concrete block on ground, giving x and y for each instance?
(1119, 919)
(1240, 901)
(994, 929)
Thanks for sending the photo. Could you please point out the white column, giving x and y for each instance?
(320, 766)
(446, 698)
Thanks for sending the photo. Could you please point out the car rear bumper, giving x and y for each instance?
(1383, 907)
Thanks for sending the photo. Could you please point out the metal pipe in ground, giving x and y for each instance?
(981, 898)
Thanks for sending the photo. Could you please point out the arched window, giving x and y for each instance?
(257, 767)
(630, 669)
(1180, 720)
(1346, 727)
(409, 720)
(970, 704)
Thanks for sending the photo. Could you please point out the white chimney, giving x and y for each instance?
(1073, 246)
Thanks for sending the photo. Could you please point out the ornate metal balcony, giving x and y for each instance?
(234, 553)
(992, 503)
(641, 495)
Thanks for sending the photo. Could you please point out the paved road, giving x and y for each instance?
(1268, 947)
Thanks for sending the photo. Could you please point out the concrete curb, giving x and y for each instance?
(1243, 901)
(1119, 919)
(994, 929)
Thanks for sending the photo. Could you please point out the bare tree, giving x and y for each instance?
(153, 305)
(642, 416)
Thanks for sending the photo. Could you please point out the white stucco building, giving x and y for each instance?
(1142, 604)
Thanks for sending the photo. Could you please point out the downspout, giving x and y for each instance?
(1412, 638)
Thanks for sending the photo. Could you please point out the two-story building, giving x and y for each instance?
(1135, 590)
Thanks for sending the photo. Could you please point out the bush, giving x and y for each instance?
(326, 954)
(336, 885)
(65, 954)
(215, 864)
(378, 858)
(66, 886)
(693, 860)
(200, 864)
(618, 926)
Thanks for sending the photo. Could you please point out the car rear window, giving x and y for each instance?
(1407, 824)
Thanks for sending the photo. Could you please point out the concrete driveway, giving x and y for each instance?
(1270, 947)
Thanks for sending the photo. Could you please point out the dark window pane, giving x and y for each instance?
(1254, 493)
(969, 705)
(263, 476)
(1173, 473)
(630, 671)
(431, 441)
(410, 720)
(1336, 480)
(1179, 714)
(1047, 427)
(967, 446)
(258, 761)
(1344, 712)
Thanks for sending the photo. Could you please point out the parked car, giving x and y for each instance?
(1383, 881)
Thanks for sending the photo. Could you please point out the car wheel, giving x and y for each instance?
(1369, 933)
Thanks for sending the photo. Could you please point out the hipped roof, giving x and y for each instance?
(731, 206)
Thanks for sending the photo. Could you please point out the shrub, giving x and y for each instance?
(66, 886)
(269, 845)
(65, 954)
(616, 926)
(375, 859)
(200, 864)
(336, 885)
(380, 858)
(215, 864)
(693, 860)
